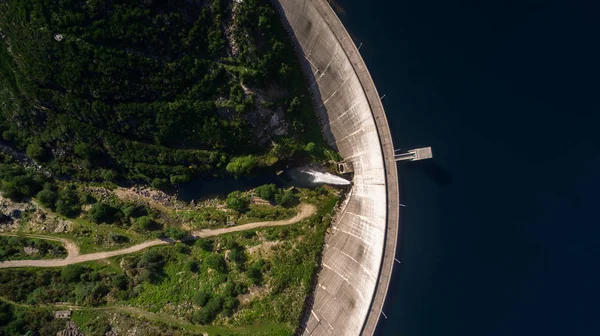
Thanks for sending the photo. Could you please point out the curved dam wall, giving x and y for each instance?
(359, 252)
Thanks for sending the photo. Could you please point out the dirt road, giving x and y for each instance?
(69, 245)
(304, 210)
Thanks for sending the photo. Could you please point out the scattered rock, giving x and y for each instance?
(31, 250)
(72, 330)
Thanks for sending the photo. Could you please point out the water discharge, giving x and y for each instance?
(326, 178)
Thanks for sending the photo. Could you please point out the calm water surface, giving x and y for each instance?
(501, 236)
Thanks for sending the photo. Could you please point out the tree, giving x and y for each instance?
(177, 179)
(36, 152)
(242, 166)
(286, 198)
(47, 198)
(237, 201)
(84, 150)
(267, 192)
(109, 175)
(159, 183)
(102, 213)
(21, 186)
(68, 202)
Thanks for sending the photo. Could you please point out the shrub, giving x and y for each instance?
(201, 298)
(182, 248)
(217, 262)
(229, 305)
(238, 255)
(237, 201)
(254, 273)
(191, 266)
(152, 263)
(119, 281)
(144, 223)
(176, 233)
(310, 147)
(267, 192)
(205, 244)
(286, 198)
(117, 238)
(72, 273)
(134, 211)
(210, 311)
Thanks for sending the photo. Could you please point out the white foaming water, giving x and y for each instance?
(326, 178)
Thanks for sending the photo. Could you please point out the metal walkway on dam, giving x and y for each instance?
(359, 250)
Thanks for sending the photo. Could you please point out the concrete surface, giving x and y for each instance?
(359, 253)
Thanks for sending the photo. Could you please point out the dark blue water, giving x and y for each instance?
(507, 241)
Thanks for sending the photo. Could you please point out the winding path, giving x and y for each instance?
(305, 210)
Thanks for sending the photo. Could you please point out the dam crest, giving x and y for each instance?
(359, 251)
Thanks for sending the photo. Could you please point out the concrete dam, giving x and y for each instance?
(359, 252)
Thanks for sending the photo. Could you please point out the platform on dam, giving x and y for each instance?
(359, 252)
(415, 155)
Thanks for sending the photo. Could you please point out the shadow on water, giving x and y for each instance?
(203, 189)
(433, 170)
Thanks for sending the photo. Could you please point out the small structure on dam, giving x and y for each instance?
(345, 167)
(415, 155)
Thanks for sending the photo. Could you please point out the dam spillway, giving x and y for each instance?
(359, 251)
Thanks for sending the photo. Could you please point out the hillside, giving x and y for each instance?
(152, 90)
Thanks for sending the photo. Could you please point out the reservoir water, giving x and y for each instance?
(501, 234)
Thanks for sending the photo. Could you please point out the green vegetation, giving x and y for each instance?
(175, 233)
(13, 248)
(267, 192)
(153, 92)
(18, 320)
(18, 183)
(259, 213)
(220, 277)
(238, 201)
(158, 93)
(102, 213)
